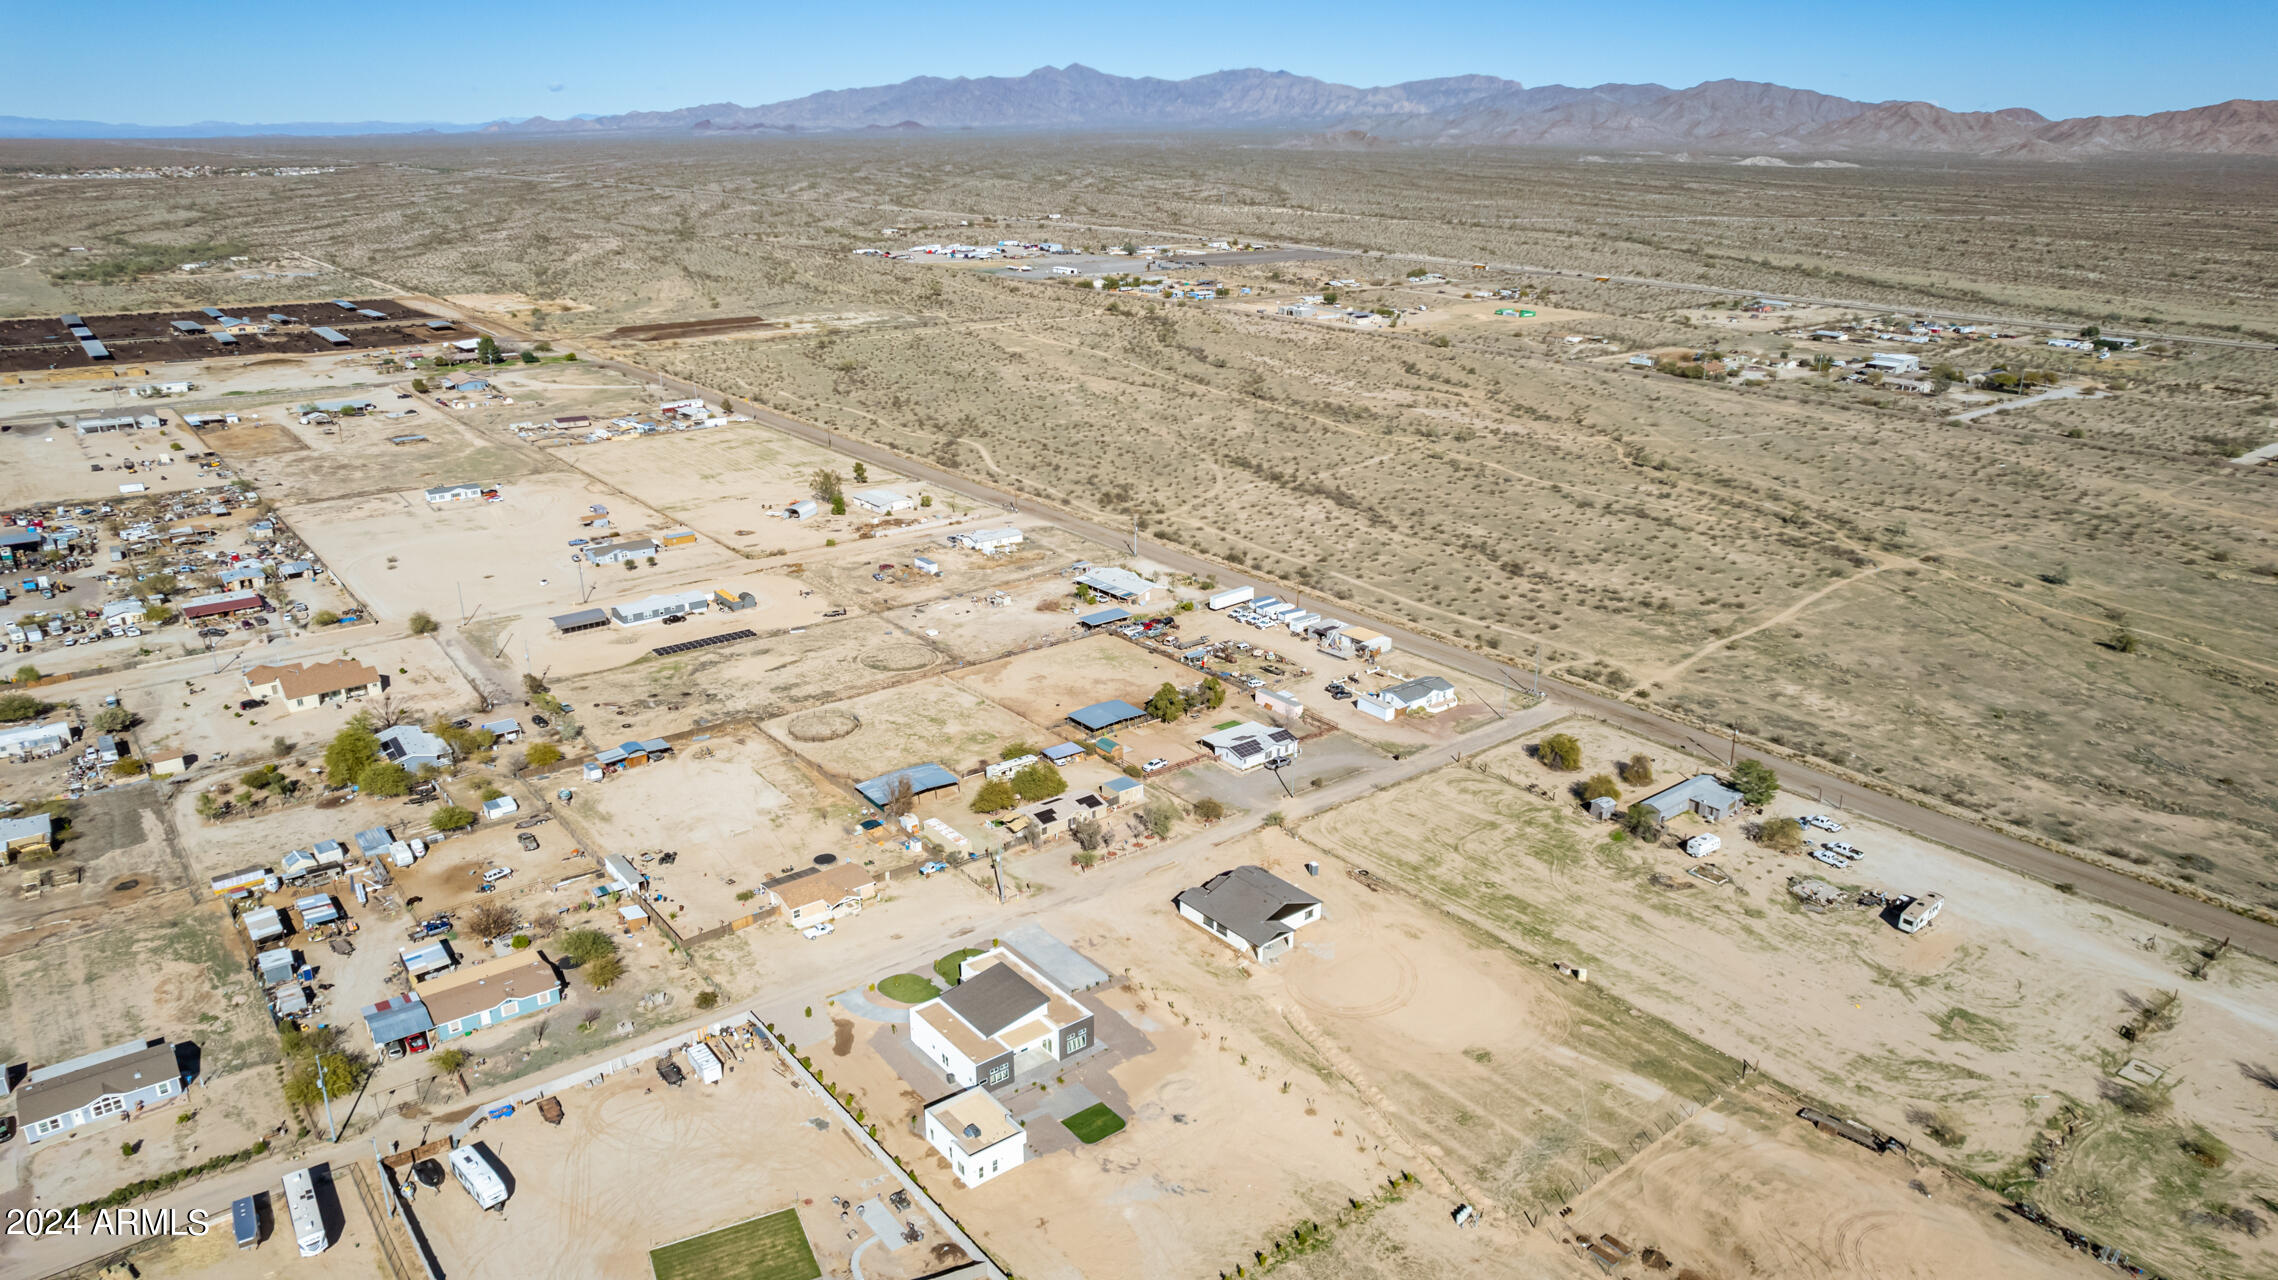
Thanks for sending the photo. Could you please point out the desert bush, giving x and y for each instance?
(1560, 751)
(1600, 785)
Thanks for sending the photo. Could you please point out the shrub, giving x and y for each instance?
(1160, 814)
(113, 720)
(127, 768)
(544, 755)
(22, 706)
(1642, 822)
(707, 998)
(2206, 1148)
(994, 796)
(1168, 704)
(1637, 771)
(1039, 781)
(1561, 752)
(385, 778)
(1600, 785)
(451, 818)
(324, 618)
(492, 920)
(424, 624)
(584, 946)
(1782, 834)
(1209, 809)
(604, 972)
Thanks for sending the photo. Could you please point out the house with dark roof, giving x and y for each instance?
(124, 1080)
(1003, 1018)
(1249, 909)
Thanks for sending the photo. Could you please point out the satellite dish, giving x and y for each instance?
(972, 1131)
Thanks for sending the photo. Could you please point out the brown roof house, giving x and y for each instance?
(471, 997)
(822, 893)
(307, 686)
(124, 1080)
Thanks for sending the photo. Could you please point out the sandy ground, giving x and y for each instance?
(782, 816)
(928, 719)
(354, 1253)
(594, 1195)
(2001, 1014)
(47, 463)
(403, 554)
(1045, 686)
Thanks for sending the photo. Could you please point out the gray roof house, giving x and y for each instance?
(1250, 909)
(411, 746)
(612, 552)
(123, 1080)
(1701, 794)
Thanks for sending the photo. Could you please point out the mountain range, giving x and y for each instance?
(1473, 110)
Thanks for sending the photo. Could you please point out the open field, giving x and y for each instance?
(923, 720)
(1044, 686)
(1993, 1027)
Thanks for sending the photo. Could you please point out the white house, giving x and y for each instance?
(124, 1081)
(976, 1135)
(1249, 909)
(1428, 695)
(883, 501)
(35, 740)
(1003, 1017)
(1892, 363)
(988, 542)
(656, 608)
(462, 492)
(1119, 584)
(1248, 745)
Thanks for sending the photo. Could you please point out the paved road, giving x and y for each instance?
(2089, 879)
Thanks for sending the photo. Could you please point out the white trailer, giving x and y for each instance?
(306, 1214)
(1920, 912)
(1276, 611)
(1299, 621)
(1228, 599)
(1701, 846)
(479, 1177)
(706, 1062)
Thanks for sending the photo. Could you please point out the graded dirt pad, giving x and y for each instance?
(781, 817)
(357, 455)
(929, 719)
(42, 463)
(589, 1200)
(405, 554)
(1044, 686)
(782, 604)
(249, 440)
(1999, 1020)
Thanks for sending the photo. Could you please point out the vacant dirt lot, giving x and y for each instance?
(1043, 687)
(1992, 1028)
(931, 719)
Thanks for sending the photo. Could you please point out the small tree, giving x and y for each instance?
(1209, 809)
(1168, 704)
(451, 818)
(994, 796)
(827, 486)
(838, 505)
(1088, 833)
(114, 720)
(1637, 771)
(1213, 690)
(21, 706)
(584, 946)
(385, 778)
(1600, 786)
(353, 750)
(544, 755)
(487, 350)
(604, 971)
(419, 385)
(1561, 752)
(1755, 782)
(27, 674)
(533, 684)
(492, 920)
(448, 1061)
(1039, 781)
(903, 799)
(324, 618)
(529, 357)
(424, 624)
(861, 474)
(1784, 835)
(1642, 822)
(1160, 814)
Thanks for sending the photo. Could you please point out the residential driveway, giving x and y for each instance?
(1330, 758)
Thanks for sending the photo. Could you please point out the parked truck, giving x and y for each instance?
(1228, 599)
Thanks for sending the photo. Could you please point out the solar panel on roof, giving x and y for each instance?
(1246, 748)
(1282, 735)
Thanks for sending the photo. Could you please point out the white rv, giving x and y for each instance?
(307, 1215)
(479, 1177)
(1920, 912)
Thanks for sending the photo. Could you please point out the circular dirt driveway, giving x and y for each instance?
(1357, 982)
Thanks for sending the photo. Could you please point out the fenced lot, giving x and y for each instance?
(772, 1247)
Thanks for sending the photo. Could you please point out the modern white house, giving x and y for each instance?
(884, 502)
(1003, 1017)
(1250, 745)
(1428, 695)
(989, 542)
(976, 1135)
(124, 1080)
(1249, 909)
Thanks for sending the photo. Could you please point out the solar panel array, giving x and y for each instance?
(705, 643)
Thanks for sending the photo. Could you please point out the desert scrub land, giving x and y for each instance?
(2059, 616)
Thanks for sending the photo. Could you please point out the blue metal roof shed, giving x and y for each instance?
(1104, 618)
(373, 839)
(316, 909)
(1062, 752)
(923, 778)
(396, 1017)
(1106, 715)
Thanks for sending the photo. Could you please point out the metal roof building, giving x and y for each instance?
(187, 326)
(1106, 715)
(1120, 583)
(331, 335)
(580, 620)
(1701, 794)
(879, 791)
(95, 350)
(395, 1018)
(1104, 618)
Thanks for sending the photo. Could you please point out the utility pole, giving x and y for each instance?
(1538, 668)
(1134, 533)
(324, 1089)
(1733, 759)
(462, 604)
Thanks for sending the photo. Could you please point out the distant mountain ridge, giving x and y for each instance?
(1474, 110)
(1470, 110)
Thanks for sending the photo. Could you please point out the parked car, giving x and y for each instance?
(1254, 683)
(539, 721)
(248, 704)
(931, 867)
(529, 842)
(1155, 765)
(678, 617)
(813, 931)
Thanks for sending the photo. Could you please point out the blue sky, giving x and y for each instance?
(424, 63)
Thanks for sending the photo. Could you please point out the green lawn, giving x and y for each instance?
(769, 1248)
(1094, 1122)
(1224, 725)
(908, 988)
(947, 965)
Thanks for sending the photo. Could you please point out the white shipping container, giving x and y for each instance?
(706, 1062)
